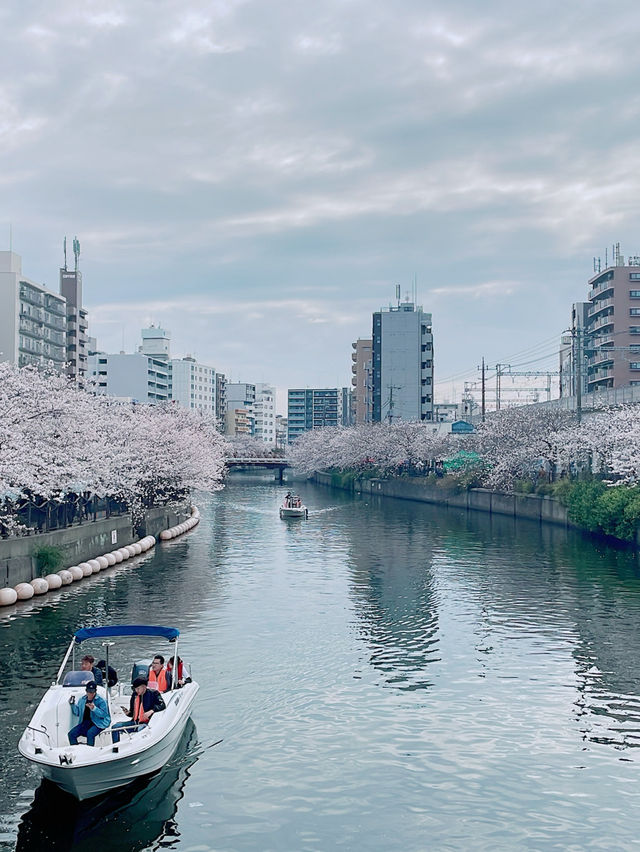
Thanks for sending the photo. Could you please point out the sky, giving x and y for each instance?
(257, 177)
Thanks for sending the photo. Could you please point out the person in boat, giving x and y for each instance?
(112, 677)
(159, 675)
(287, 500)
(144, 703)
(93, 713)
(184, 675)
(87, 665)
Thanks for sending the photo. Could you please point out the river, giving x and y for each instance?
(383, 676)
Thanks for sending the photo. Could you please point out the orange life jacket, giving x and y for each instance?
(139, 713)
(160, 680)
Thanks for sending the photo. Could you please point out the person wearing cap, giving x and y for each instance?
(93, 713)
(144, 703)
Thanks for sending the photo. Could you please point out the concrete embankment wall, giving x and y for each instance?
(531, 506)
(79, 543)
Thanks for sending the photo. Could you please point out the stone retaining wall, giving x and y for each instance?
(531, 506)
(81, 542)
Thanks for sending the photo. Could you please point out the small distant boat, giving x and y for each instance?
(293, 507)
(86, 771)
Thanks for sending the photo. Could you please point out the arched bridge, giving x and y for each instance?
(268, 463)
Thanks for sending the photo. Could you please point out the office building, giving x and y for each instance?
(141, 376)
(402, 364)
(33, 319)
(362, 381)
(611, 338)
(241, 396)
(315, 408)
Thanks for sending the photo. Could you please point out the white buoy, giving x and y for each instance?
(123, 552)
(165, 535)
(53, 581)
(40, 586)
(86, 569)
(137, 548)
(130, 550)
(102, 561)
(76, 572)
(117, 556)
(152, 540)
(24, 591)
(111, 559)
(95, 565)
(66, 577)
(8, 596)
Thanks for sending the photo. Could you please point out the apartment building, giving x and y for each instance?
(402, 363)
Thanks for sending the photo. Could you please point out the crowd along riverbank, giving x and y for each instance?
(534, 507)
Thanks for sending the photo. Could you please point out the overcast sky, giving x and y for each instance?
(258, 176)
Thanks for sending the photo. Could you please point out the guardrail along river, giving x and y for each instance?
(386, 675)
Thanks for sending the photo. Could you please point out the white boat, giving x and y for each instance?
(293, 508)
(86, 771)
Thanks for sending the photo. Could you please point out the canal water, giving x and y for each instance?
(384, 676)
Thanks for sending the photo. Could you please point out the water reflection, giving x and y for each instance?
(140, 816)
(395, 595)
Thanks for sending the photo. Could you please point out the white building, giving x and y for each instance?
(136, 376)
(33, 319)
(193, 385)
(265, 414)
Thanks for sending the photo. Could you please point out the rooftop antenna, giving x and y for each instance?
(606, 258)
(398, 293)
(64, 245)
(76, 251)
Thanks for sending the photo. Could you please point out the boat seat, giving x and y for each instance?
(140, 669)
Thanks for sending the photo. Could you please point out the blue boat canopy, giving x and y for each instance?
(170, 633)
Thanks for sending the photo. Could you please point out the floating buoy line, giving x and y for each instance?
(75, 573)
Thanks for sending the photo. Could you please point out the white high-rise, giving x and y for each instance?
(33, 319)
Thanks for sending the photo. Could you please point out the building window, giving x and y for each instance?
(634, 276)
(634, 312)
(634, 294)
(634, 329)
(634, 365)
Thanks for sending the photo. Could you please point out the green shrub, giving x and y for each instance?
(612, 510)
(48, 559)
(523, 486)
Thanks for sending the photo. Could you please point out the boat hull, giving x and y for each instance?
(301, 512)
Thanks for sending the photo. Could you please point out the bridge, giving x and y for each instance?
(268, 463)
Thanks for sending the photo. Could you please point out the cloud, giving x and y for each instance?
(233, 164)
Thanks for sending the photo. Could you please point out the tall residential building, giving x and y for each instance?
(571, 344)
(33, 319)
(314, 408)
(402, 364)
(362, 381)
(193, 385)
(265, 414)
(221, 399)
(612, 332)
(77, 325)
(242, 397)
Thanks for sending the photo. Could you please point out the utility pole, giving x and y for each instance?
(579, 375)
(484, 407)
